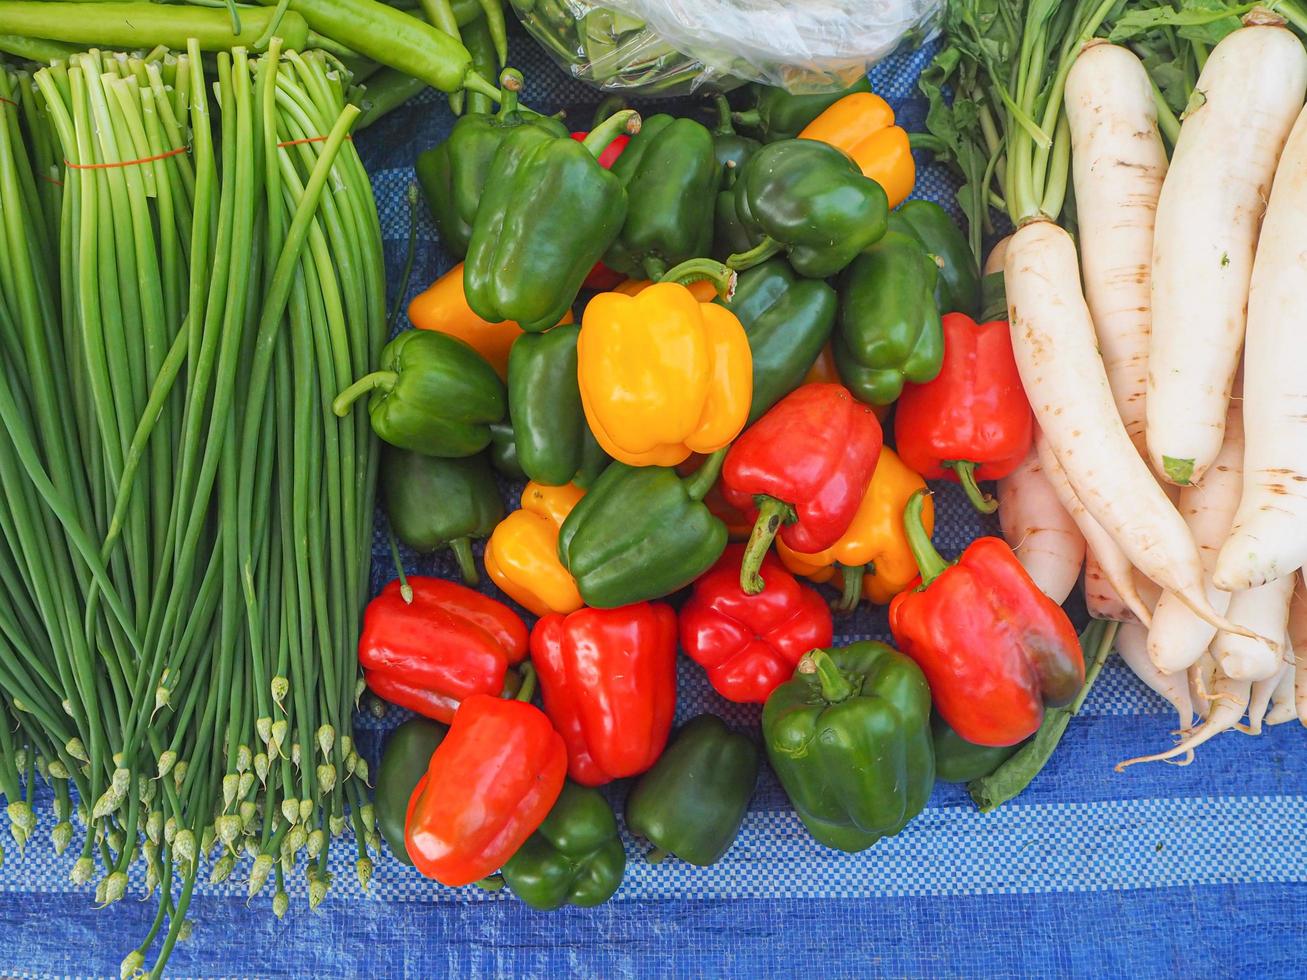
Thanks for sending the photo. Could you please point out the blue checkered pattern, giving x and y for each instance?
(1160, 871)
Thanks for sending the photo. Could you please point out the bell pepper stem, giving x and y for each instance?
(510, 83)
(772, 513)
(376, 381)
(609, 105)
(835, 687)
(698, 483)
(654, 267)
(528, 689)
(757, 255)
(725, 127)
(467, 565)
(405, 590)
(852, 592)
(656, 856)
(473, 82)
(693, 270)
(930, 563)
(750, 118)
(625, 121)
(490, 883)
(966, 471)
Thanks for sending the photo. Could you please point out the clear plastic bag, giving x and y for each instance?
(672, 47)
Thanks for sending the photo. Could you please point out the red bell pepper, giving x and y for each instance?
(608, 680)
(801, 470)
(973, 422)
(602, 278)
(994, 648)
(490, 784)
(449, 643)
(750, 644)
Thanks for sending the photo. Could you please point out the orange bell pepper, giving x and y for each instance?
(862, 125)
(704, 290)
(442, 307)
(873, 556)
(522, 553)
(663, 374)
(824, 372)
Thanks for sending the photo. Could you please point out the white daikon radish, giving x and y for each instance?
(1265, 610)
(1041, 532)
(1118, 162)
(1102, 601)
(1057, 355)
(1298, 640)
(1283, 707)
(1177, 637)
(1269, 538)
(1202, 675)
(1259, 701)
(997, 255)
(1228, 700)
(1247, 97)
(1132, 645)
(1114, 564)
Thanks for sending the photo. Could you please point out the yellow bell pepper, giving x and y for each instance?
(662, 374)
(873, 555)
(824, 372)
(442, 307)
(862, 125)
(522, 553)
(703, 290)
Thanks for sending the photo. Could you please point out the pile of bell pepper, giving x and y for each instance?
(687, 342)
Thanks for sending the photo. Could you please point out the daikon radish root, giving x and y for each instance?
(1118, 162)
(1269, 538)
(1259, 701)
(1283, 706)
(1057, 356)
(1202, 675)
(1114, 564)
(1298, 640)
(1247, 97)
(1266, 610)
(1177, 637)
(1228, 702)
(1041, 532)
(1102, 601)
(1132, 645)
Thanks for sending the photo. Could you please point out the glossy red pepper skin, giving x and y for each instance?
(449, 643)
(974, 412)
(608, 681)
(802, 469)
(750, 644)
(994, 648)
(602, 278)
(489, 785)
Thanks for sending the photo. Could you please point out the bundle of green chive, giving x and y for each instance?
(190, 270)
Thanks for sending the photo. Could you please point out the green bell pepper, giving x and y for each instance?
(889, 328)
(788, 320)
(810, 200)
(453, 173)
(957, 289)
(548, 214)
(433, 503)
(554, 442)
(671, 176)
(781, 116)
(574, 858)
(960, 761)
(403, 762)
(692, 802)
(503, 451)
(641, 532)
(849, 738)
(731, 149)
(432, 394)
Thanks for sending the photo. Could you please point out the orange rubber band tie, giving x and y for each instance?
(126, 163)
(311, 139)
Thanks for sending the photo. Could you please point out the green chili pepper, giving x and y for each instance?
(958, 287)
(432, 394)
(780, 115)
(404, 762)
(810, 200)
(788, 320)
(453, 173)
(554, 443)
(641, 532)
(889, 328)
(575, 857)
(548, 214)
(692, 802)
(434, 503)
(849, 739)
